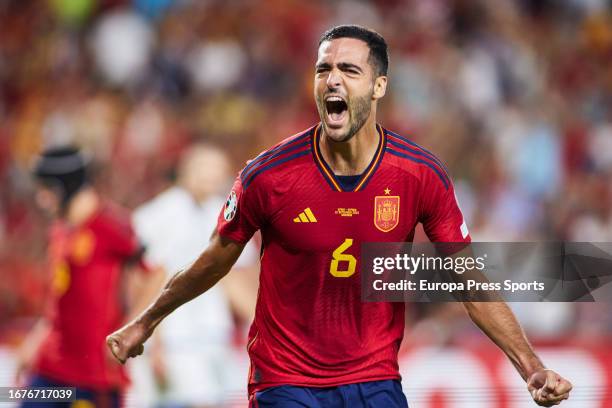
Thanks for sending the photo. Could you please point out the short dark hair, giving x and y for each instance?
(379, 56)
(63, 168)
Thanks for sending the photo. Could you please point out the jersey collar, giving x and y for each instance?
(329, 175)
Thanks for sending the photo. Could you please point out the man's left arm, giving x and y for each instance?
(443, 222)
(497, 321)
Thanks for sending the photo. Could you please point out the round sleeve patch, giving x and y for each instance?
(231, 205)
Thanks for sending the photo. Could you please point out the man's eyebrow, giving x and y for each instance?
(341, 65)
(348, 65)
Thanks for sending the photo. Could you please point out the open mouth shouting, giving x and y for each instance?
(336, 111)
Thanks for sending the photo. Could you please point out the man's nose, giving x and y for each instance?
(334, 79)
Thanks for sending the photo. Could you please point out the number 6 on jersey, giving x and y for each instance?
(339, 255)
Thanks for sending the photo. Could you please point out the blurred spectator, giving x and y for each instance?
(122, 44)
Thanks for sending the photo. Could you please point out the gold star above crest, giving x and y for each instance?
(387, 191)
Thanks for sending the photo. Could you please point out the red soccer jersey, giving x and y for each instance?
(85, 306)
(311, 327)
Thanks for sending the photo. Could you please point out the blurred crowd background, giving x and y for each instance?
(514, 96)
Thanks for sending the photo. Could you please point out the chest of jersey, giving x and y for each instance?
(311, 217)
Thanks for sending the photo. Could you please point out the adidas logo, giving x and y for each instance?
(305, 216)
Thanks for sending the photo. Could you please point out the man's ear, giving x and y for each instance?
(380, 87)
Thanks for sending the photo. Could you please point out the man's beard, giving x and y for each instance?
(359, 111)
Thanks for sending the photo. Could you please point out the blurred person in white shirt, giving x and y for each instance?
(193, 360)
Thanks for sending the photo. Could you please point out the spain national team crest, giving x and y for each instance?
(386, 212)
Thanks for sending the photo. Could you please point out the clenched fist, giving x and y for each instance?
(128, 341)
(548, 388)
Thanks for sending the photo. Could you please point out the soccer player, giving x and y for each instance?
(90, 242)
(316, 197)
(193, 355)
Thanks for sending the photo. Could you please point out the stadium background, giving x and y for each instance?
(514, 96)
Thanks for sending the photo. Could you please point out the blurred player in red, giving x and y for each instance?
(90, 243)
(316, 197)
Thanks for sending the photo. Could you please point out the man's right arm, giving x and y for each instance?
(212, 265)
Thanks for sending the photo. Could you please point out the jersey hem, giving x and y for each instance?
(265, 386)
(120, 384)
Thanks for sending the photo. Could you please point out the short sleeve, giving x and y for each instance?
(145, 224)
(243, 212)
(440, 213)
(122, 239)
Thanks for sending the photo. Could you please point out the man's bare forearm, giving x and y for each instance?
(145, 287)
(497, 321)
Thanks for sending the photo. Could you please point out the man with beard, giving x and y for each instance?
(316, 197)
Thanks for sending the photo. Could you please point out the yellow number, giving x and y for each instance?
(340, 256)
